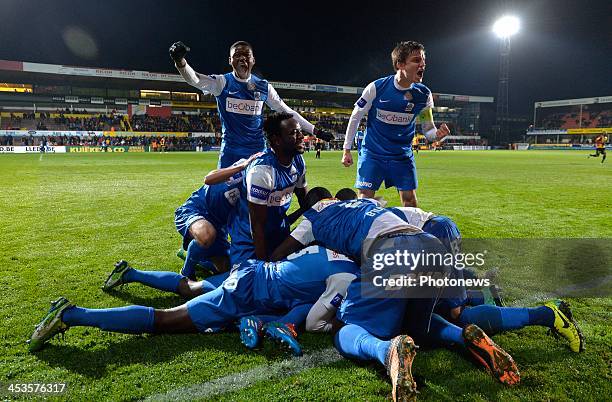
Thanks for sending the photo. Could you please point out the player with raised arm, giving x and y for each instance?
(392, 104)
(240, 99)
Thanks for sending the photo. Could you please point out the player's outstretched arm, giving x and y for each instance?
(321, 316)
(220, 175)
(295, 215)
(288, 246)
(207, 83)
(178, 51)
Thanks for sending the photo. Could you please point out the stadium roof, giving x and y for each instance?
(569, 102)
(54, 74)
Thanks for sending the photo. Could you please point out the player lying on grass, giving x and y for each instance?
(344, 226)
(328, 215)
(555, 314)
(289, 287)
(202, 219)
(318, 228)
(374, 324)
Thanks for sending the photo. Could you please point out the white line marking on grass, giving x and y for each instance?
(237, 381)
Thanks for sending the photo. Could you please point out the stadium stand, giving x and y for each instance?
(65, 103)
(570, 123)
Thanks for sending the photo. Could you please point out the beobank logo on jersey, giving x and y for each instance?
(281, 197)
(396, 118)
(244, 106)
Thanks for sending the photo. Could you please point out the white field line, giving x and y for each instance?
(237, 381)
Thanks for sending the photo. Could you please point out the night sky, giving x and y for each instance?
(563, 50)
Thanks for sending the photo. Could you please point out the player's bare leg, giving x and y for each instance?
(189, 289)
(174, 321)
(408, 198)
(362, 193)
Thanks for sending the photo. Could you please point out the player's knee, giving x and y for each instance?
(203, 232)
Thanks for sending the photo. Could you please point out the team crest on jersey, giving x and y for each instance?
(250, 85)
(409, 107)
(408, 96)
(257, 95)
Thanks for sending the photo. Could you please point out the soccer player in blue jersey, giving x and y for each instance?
(260, 222)
(255, 287)
(343, 226)
(392, 104)
(240, 99)
(202, 219)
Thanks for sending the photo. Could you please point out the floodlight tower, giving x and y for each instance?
(504, 28)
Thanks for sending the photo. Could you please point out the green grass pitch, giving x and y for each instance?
(66, 218)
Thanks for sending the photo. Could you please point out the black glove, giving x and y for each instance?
(178, 50)
(323, 135)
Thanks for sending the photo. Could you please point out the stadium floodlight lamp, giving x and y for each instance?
(506, 26)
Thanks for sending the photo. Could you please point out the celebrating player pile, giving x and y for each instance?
(281, 282)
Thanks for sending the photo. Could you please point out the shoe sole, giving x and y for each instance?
(495, 360)
(405, 386)
(284, 344)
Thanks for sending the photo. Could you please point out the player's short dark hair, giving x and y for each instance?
(402, 50)
(273, 122)
(315, 195)
(241, 43)
(346, 194)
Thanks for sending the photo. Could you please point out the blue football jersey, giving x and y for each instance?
(240, 107)
(302, 278)
(392, 118)
(343, 226)
(266, 182)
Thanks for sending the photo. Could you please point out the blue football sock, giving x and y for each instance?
(355, 342)
(496, 319)
(442, 332)
(269, 318)
(196, 255)
(542, 315)
(296, 315)
(167, 281)
(127, 320)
